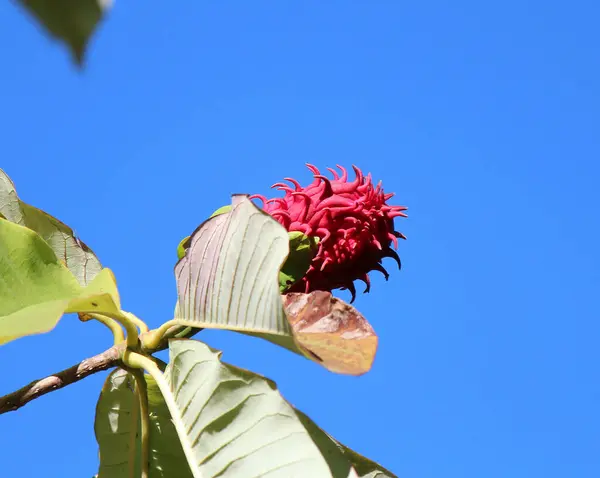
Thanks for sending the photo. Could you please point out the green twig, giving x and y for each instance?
(155, 337)
(182, 332)
(137, 321)
(112, 324)
(126, 322)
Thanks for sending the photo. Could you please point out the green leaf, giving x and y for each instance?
(229, 279)
(117, 427)
(232, 422)
(302, 251)
(78, 257)
(72, 22)
(329, 446)
(36, 288)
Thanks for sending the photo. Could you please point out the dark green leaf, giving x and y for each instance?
(71, 21)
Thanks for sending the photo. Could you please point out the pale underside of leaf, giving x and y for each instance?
(78, 257)
(232, 422)
(229, 276)
(235, 423)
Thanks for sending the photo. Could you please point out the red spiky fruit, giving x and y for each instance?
(352, 220)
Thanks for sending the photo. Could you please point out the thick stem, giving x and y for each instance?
(127, 323)
(108, 359)
(138, 322)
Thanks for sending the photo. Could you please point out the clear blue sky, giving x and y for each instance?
(482, 116)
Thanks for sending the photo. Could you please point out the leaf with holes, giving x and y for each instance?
(36, 288)
(78, 257)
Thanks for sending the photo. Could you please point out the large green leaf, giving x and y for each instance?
(80, 260)
(117, 428)
(232, 422)
(72, 22)
(36, 288)
(229, 279)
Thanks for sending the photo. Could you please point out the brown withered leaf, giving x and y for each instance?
(332, 331)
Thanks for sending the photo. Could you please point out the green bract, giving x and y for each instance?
(302, 250)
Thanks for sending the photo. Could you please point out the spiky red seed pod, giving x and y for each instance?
(352, 220)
